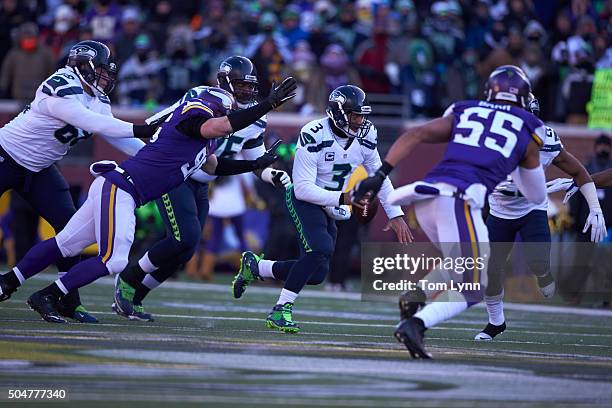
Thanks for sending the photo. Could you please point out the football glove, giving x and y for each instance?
(280, 94)
(596, 222)
(340, 213)
(277, 178)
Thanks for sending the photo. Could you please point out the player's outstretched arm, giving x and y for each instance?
(237, 120)
(603, 179)
(571, 166)
(435, 131)
(218, 166)
(73, 112)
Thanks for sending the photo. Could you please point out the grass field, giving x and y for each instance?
(205, 349)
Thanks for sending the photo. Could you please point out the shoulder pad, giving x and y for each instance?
(311, 133)
(62, 84)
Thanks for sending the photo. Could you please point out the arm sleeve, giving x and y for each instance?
(127, 146)
(531, 183)
(71, 111)
(228, 167)
(191, 126)
(304, 181)
(371, 164)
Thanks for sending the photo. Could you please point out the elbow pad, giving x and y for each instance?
(531, 183)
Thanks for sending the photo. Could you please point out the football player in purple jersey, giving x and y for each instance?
(487, 140)
(181, 146)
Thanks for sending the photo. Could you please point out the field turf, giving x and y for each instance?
(207, 349)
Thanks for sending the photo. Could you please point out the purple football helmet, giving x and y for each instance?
(219, 100)
(508, 83)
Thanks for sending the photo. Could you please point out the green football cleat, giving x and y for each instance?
(281, 318)
(249, 271)
(141, 315)
(124, 297)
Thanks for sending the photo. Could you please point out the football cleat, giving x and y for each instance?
(6, 289)
(490, 332)
(410, 302)
(249, 271)
(281, 318)
(139, 314)
(44, 305)
(410, 333)
(70, 306)
(79, 313)
(546, 285)
(124, 297)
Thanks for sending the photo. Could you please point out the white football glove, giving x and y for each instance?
(558, 184)
(596, 222)
(276, 177)
(340, 213)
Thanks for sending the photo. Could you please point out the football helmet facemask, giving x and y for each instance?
(92, 63)
(238, 76)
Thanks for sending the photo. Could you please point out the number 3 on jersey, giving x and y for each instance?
(498, 137)
(340, 172)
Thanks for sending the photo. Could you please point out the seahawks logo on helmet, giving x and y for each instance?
(225, 67)
(337, 97)
(83, 50)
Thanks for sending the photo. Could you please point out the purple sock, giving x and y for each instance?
(83, 273)
(39, 257)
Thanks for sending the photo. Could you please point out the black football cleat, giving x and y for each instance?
(6, 289)
(490, 332)
(411, 302)
(410, 333)
(44, 305)
(70, 306)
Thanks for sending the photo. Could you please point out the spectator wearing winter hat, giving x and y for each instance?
(130, 29)
(63, 33)
(291, 29)
(26, 65)
(138, 76)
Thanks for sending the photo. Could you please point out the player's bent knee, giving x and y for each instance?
(68, 246)
(115, 266)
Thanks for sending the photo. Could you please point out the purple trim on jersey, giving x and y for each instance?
(464, 234)
(107, 220)
(121, 181)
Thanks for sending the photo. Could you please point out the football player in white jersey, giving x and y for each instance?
(69, 106)
(510, 214)
(184, 209)
(328, 152)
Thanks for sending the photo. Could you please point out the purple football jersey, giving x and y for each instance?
(171, 156)
(487, 143)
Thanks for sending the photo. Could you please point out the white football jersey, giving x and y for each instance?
(510, 207)
(325, 161)
(35, 138)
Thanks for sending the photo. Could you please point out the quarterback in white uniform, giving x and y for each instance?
(328, 151)
(184, 209)
(69, 106)
(511, 214)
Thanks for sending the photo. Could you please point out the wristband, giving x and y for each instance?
(385, 169)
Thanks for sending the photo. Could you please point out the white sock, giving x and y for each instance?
(19, 275)
(495, 309)
(265, 269)
(61, 286)
(145, 264)
(447, 305)
(150, 282)
(61, 274)
(286, 296)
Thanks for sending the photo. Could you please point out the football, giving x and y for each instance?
(367, 213)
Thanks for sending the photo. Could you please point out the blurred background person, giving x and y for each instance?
(26, 65)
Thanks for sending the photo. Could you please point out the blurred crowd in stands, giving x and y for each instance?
(431, 53)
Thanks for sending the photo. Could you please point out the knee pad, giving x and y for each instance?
(319, 261)
(115, 266)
